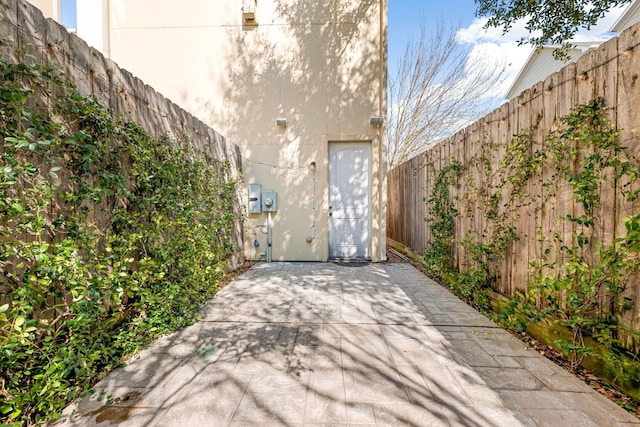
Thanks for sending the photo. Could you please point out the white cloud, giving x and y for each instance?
(497, 50)
(476, 33)
(506, 55)
(600, 31)
(494, 47)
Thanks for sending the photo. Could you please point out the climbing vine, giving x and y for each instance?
(442, 214)
(108, 239)
(501, 195)
(580, 275)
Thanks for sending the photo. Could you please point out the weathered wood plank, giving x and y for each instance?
(609, 73)
(628, 120)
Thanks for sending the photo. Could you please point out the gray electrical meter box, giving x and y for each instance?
(269, 201)
(255, 199)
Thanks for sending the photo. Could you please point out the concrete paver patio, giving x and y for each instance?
(318, 344)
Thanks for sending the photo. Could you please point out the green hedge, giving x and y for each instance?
(108, 239)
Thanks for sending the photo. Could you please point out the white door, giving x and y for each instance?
(349, 200)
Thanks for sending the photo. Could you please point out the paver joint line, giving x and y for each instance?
(319, 343)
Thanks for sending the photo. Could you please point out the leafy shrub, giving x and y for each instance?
(108, 239)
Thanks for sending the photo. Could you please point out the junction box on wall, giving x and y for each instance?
(269, 201)
(263, 202)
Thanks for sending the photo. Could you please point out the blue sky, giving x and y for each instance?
(405, 17)
(69, 13)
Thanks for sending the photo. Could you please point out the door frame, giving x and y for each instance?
(370, 148)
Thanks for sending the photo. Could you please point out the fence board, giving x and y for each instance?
(610, 73)
(628, 117)
(532, 215)
(457, 153)
(549, 210)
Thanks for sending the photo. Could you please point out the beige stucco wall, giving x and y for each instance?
(49, 8)
(93, 23)
(321, 65)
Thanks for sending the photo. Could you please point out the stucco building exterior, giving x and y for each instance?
(300, 86)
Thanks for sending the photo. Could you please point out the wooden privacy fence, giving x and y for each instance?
(610, 74)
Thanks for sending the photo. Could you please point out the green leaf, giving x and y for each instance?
(18, 322)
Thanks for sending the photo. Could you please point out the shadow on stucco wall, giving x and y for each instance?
(317, 64)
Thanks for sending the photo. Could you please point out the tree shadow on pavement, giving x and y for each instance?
(298, 343)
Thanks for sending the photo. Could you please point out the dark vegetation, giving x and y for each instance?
(109, 238)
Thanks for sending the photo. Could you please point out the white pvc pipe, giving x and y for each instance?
(269, 237)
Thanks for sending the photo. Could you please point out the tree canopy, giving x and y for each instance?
(548, 21)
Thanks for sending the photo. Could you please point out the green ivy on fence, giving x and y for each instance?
(108, 239)
(443, 213)
(580, 279)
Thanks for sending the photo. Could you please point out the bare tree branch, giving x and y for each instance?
(440, 86)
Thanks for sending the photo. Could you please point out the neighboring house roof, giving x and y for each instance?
(541, 64)
(628, 18)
